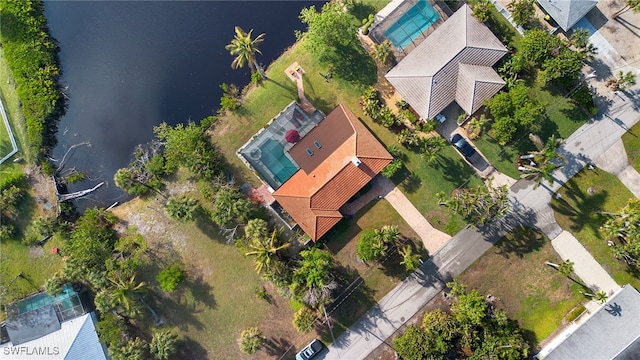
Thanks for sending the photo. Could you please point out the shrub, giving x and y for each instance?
(170, 278)
(163, 344)
(371, 246)
(182, 208)
(111, 329)
(304, 319)
(392, 168)
(251, 340)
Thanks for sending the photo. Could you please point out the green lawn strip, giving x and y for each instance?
(379, 278)
(217, 300)
(586, 192)
(5, 140)
(36, 264)
(421, 182)
(532, 293)
(12, 109)
(632, 145)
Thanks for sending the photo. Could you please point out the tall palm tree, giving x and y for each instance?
(127, 294)
(410, 260)
(383, 52)
(265, 250)
(245, 48)
(545, 160)
(565, 269)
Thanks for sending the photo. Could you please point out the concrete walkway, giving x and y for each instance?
(432, 238)
(616, 162)
(584, 265)
(383, 188)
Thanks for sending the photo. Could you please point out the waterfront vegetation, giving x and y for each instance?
(535, 295)
(584, 196)
(31, 54)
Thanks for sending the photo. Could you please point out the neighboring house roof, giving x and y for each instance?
(345, 157)
(453, 63)
(612, 332)
(76, 339)
(567, 12)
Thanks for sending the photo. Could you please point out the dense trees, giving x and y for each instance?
(244, 48)
(329, 31)
(552, 55)
(472, 329)
(312, 280)
(32, 56)
(514, 111)
(523, 11)
(182, 207)
(12, 190)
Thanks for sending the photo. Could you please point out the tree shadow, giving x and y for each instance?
(190, 349)
(361, 10)
(520, 241)
(411, 183)
(580, 206)
(277, 346)
(352, 63)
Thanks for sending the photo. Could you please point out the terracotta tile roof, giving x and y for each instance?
(427, 78)
(313, 195)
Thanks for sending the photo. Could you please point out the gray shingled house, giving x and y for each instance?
(453, 63)
(567, 12)
(612, 332)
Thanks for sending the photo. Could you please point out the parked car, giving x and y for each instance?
(460, 143)
(441, 118)
(311, 350)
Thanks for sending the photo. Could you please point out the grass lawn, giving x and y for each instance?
(14, 113)
(379, 279)
(584, 193)
(632, 145)
(217, 300)
(532, 293)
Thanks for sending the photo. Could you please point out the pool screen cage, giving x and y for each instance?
(66, 304)
(267, 152)
(385, 20)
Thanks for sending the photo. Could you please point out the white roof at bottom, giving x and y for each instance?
(76, 340)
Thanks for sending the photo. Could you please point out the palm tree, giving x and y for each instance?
(251, 340)
(409, 259)
(127, 294)
(565, 268)
(245, 48)
(544, 161)
(265, 250)
(383, 52)
(163, 344)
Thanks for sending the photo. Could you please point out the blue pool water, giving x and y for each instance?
(411, 24)
(276, 161)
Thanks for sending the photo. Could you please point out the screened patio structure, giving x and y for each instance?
(267, 152)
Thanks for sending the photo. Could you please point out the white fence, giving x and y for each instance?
(11, 138)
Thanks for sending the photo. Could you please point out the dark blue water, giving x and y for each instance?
(132, 65)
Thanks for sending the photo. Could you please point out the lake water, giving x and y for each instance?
(132, 65)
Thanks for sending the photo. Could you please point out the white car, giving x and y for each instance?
(310, 350)
(440, 118)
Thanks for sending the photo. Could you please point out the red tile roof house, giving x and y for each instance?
(335, 159)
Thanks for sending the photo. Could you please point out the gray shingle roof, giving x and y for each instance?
(567, 12)
(613, 332)
(428, 77)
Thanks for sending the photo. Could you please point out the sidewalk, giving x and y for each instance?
(616, 162)
(584, 265)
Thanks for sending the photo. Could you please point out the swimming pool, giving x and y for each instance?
(411, 24)
(274, 158)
